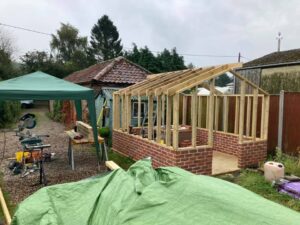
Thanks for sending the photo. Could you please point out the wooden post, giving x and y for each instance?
(139, 110)
(267, 109)
(254, 113)
(168, 120)
(184, 109)
(242, 111)
(280, 119)
(175, 120)
(158, 119)
(225, 113)
(262, 121)
(123, 113)
(199, 111)
(237, 112)
(163, 109)
(217, 114)
(207, 112)
(128, 112)
(150, 117)
(116, 111)
(248, 116)
(4, 208)
(211, 113)
(194, 117)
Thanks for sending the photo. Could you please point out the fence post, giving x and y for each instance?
(280, 119)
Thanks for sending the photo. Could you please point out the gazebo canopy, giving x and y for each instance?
(42, 86)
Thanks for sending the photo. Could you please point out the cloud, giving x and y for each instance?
(192, 26)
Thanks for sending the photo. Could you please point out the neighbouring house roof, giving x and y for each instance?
(117, 70)
(276, 59)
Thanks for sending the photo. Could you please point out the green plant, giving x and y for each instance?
(291, 163)
(104, 132)
(9, 113)
(57, 114)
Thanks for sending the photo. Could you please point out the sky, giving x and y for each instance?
(194, 27)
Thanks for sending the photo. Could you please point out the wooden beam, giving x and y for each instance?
(194, 117)
(262, 121)
(111, 165)
(242, 111)
(116, 111)
(217, 114)
(128, 112)
(237, 112)
(248, 116)
(211, 113)
(175, 121)
(139, 110)
(267, 111)
(163, 109)
(198, 80)
(158, 119)
(168, 120)
(225, 113)
(254, 113)
(248, 82)
(184, 109)
(4, 208)
(123, 113)
(150, 117)
(207, 112)
(199, 111)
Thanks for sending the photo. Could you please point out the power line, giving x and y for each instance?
(182, 54)
(26, 29)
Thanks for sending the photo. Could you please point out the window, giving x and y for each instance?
(135, 109)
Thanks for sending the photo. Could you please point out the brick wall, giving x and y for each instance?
(198, 161)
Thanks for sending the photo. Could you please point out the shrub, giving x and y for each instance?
(57, 114)
(9, 113)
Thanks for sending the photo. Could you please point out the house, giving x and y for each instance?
(274, 72)
(107, 77)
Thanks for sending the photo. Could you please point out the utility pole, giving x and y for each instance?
(279, 38)
(239, 57)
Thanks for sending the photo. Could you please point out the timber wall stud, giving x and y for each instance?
(175, 120)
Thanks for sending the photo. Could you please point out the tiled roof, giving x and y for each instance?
(117, 70)
(282, 57)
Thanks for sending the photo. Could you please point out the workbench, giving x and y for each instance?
(72, 141)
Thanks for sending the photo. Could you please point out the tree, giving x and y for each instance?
(163, 62)
(223, 80)
(68, 45)
(105, 41)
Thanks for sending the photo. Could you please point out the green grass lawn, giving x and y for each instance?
(122, 161)
(255, 181)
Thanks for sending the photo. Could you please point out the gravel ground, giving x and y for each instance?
(57, 171)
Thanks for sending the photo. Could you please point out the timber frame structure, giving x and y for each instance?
(168, 119)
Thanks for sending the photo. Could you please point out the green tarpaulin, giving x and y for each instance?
(146, 196)
(42, 86)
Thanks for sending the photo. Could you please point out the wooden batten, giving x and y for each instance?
(184, 109)
(116, 111)
(248, 116)
(242, 111)
(225, 113)
(207, 112)
(139, 110)
(168, 120)
(158, 119)
(175, 121)
(163, 109)
(217, 113)
(236, 116)
(262, 121)
(194, 117)
(267, 112)
(128, 112)
(199, 111)
(211, 112)
(254, 113)
(150, 117)
(123, 113)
